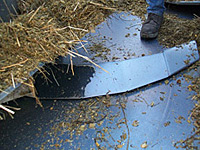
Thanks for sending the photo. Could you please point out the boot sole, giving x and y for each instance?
(148, 36)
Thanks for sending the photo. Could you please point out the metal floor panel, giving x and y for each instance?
(119, 34)
(33, 127)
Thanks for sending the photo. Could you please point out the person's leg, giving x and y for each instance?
(152, 24)
(156, 7)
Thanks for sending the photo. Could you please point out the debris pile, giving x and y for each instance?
(47, 29)
(38, 36)
(176, 31)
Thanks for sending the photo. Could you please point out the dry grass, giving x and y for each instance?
(39, 37)
(47, 29)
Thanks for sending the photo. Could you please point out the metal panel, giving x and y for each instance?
(178, 58)
(123, 76)
(184, 2)
(126, 75)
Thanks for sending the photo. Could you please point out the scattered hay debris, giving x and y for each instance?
(176, 31)
(92, 114)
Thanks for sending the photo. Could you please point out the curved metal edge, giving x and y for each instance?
(9, 95)
(184, 2)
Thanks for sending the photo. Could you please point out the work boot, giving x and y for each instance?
(151, 26)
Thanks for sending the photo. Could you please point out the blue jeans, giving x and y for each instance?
(156, 7)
